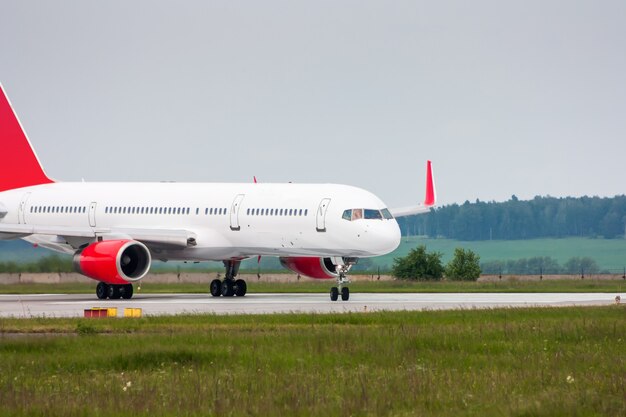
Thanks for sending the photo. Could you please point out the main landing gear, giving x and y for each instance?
(229, 286)
(113, 291)
(342, 280)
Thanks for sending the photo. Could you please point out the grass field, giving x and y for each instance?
(609, 253)
(310, 286)
(539, 362)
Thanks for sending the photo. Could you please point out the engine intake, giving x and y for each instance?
(113, 261)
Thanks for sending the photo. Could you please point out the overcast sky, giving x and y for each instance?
(524, 98)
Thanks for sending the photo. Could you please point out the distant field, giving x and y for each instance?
(609, 253)
(530, 362)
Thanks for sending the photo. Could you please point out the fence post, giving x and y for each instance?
(582, 273)
(541, 273)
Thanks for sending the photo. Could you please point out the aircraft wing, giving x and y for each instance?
(409, 211)
(162, 237)
(429, 201)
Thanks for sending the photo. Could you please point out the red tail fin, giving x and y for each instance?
(19, 166)
(431, 194)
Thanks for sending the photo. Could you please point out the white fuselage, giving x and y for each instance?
(228, 221)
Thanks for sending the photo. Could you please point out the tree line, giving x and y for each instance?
(514, 219)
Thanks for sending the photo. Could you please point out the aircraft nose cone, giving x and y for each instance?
(388, 237)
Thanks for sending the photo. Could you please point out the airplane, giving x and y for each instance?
(115, 230)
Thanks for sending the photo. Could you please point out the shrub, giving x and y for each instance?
(465, 266)
(418, 265)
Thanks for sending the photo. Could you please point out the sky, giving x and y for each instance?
(524, 97)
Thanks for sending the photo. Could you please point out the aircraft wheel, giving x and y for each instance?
(114, 292)
(216, 288)
(334, 294)
(345, 294)
(228, 290)
(102, 290)
(240, 288)
(127, 291)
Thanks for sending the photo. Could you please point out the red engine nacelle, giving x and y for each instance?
(318, 268)
(114, 261)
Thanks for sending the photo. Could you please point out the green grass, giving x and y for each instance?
(539, 362)
(310, 286)
(608, 253)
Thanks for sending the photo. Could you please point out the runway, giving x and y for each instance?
(73, 305)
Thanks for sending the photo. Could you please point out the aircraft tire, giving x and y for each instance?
(334, 294)
(114, 292)
(102, 290)
(216, 288)
(127, 291)
(228, 289)
(241, 288)
(345, 294)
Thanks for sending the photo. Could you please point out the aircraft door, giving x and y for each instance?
(21, 216)
(234, 212)
(92, 214)
(320, 220)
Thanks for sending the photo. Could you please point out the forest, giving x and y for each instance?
(541, 217)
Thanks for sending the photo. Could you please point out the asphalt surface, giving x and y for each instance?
(73, 305)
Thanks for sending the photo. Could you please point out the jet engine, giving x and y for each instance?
(318, 268)
(113, 261)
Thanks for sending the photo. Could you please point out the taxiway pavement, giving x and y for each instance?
(73, 305)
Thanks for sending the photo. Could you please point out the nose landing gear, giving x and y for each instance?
(342, 289)
(229, 286)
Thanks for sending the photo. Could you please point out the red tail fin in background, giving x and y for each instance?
(19, 166)
(431, 194)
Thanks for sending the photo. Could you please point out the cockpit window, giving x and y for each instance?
(367, 214)
(372, 214)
